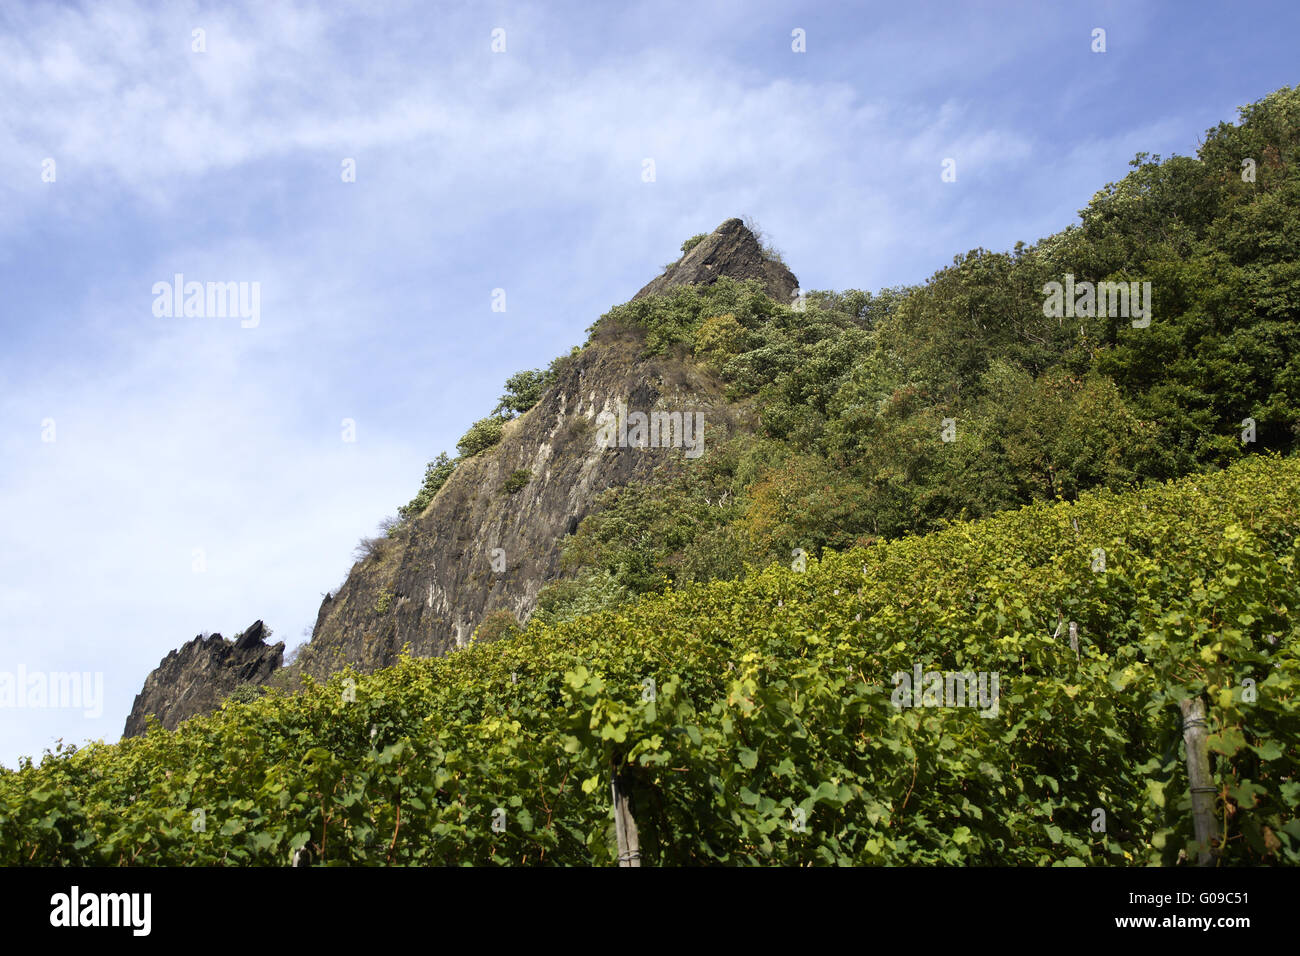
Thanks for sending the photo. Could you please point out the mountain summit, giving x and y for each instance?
(730, 250)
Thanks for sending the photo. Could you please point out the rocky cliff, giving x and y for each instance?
(478, 547)
(203, 673)
(492, 536)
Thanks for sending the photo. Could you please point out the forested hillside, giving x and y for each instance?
(853, 393)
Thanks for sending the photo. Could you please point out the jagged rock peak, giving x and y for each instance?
(730, 250)
(196, 678)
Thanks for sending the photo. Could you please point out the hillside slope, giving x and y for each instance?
(761, 721)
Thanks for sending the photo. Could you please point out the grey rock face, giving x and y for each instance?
(478, 548)
(730, 250)
(199, 676)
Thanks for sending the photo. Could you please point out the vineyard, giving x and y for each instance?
(756, 721)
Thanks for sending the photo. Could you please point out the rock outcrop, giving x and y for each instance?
(199, 676)
(492, 536)
(730, 250)
(480, 547)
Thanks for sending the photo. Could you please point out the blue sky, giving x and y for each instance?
(519, 170)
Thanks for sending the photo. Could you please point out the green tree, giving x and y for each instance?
(436, 474)
(482, 435)
(523, 391)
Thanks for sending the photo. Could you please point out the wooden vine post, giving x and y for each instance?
(629, 843)
(1198, 778)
